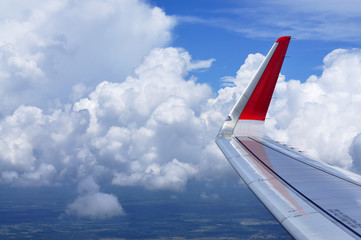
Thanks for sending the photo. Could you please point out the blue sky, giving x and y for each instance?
(230, 30)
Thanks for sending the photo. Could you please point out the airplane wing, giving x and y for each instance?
(311, 200)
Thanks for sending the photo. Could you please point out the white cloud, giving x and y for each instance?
(41, 148)
(47, 47)
(154, 128)
(157, 132)
(305, 19)
(355, 153)
(321, 115)
(326, 19)
(94, 204)
(204, 195)
(348, 7)
(148, 130)
(172, 175)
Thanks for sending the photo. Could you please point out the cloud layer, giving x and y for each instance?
(148, 130)
(121, 107)
(156, 128)
(60, 48)
(322, 115)
(324, 20)
(305, 19)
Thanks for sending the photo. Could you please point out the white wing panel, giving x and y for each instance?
(297, 193)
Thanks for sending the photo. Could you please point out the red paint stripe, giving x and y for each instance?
(257, 105)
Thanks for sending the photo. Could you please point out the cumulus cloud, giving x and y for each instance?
(157, 114)
(94, 204)
(42, 57)
(144, 129)
(154, 128)
(355, 153)
(148, 130)
(322, 114)
(37, 147)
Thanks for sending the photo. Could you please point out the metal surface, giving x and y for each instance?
(232, 118)
(303, 198)
(310, 199)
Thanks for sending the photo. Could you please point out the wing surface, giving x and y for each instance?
(311, 200)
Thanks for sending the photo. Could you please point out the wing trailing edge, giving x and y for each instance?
(311, 200)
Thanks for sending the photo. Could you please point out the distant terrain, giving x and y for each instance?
(227, 211)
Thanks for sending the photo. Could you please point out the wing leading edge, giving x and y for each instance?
(311, 200)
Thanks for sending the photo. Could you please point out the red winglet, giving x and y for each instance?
(258, 103)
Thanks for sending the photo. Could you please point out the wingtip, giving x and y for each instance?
(284, 38)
